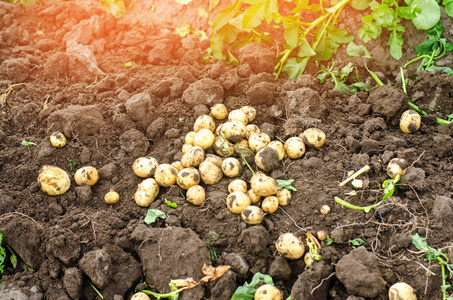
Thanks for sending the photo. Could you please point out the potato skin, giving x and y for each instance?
(258, 140)
(268, 292)
(251, 129)
(237, 201)
(397, 166)
(250, 112)
(284, 197)
(140, 296)
(252, 215)
(204, 121)
(294, 147)
(263, 185)
(165, 175)
(219, 111)
(237, 185)
(217, 160)
(231, 167)
(187, 178)
(193, 157)
(401, 291)
(253, 196)
(195, 195)
(54, 180)
(237, 115)
(87, 175)
(210, 173)
(189, 137)
(289, 246)
(279, 147)
(410, 121)
(145, 166)
(270, 204)
(146, 192)
(267, 159)
(111, 197)
(57, 139)
(222, 147)
(234, 131)
(313, 137)
(204, 138)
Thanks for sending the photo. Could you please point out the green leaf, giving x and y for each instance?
(170, 204)
(225, 15)
(360, 4)
(286, 184)
(114, 7)
(395, 42)
(446, 70)
(295, 67)
(389, 187)
(328, 241)
(291, 31)
(419, 242)
(448, 5)
(445, 287)
(425, 47)
(27, 143)
(361, 86)
(354, 50)
(357, 242)
(227, 34)
(429, 16)
(408, 12)
(260, 9)
(216, 47)
(247, 291)
(370, 31)
(345, 71)
(130, 64)
(153, 214)
(13, 260)
(232, 60)
(305, 49)
(340, 36)
(384, 15)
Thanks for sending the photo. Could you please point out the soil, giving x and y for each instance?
(67, 59)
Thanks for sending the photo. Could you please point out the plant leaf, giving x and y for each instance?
(425, 47)
(153, 214)
(354, 50)
(429, 16)
(305, 49)
(225, 15)
(395, 42)
(370, 31)
(247, 291)
(295, 67)
(130, 64)
(448, 5)
(408, 12)
(360, 4)
(213, 4)
(260, 9)
(114, 7)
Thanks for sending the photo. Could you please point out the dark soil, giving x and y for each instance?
(69, 61)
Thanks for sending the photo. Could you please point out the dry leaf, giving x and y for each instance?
(213, 273)
(187, 283)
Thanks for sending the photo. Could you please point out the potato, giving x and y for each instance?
(253, 196)
(145, 166)
(243, 143)
(111, 197)
(146, 192)
(410, 121)
(250, 112)
(313, 137)
(204, 138)
(278, 146)
(218, 130)
(308, 260)
(219, 111)
(54, 180)
(210, 173)
(231, 167)
(268, 292)
(251, 129)
(284, 197)
(222, 147)
(325, 209)
(237, 115)
(397, 166)
(195, 195)
(258, 141)
(263, 185)
(294, 147)
(140, 296)
(190, 137)
(252, 215)
(322, 235)
(267, 159)
(187, 178)
(165, 175)
(186, 147)
(193, 157)
(217, 160)
(234, 131)
(401, 291)
(57, 139)
(87, 175)
(237, 201)
(237, 185)
(289, 246)
(178, 165)
(270, 204)
(204, 122)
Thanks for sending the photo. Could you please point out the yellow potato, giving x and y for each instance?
(210, 173)
(54, 180)
(410, 121)
(204, 138)
(250, 112)
(289, 246)
(284, 197)
(146, 192)
(111, 197)
(258, 141)
(190, 137)
(178, 165)
(165, 175)
(252, 215)
(402, 291)
(193, 157)
(57, 139)
(234, 131)
(237, 115)
(253, 196)
(187, 178)
(195, 195)
(268, 292)
(294, 147)
(279, 147)
(251, 129)
(222, 147)
(313, 137)
(217, 160)
(263, 185)
(204, 122)
(397, 166)
(237, 185)
(87, 175)
(219, 111)
(145, 166)
(270, 204)
(231, 167)
(237, 201)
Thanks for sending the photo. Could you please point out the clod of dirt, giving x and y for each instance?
(16, 69)
(280, 269)
(238, 264)
(65, 246)
(97, 265)
(443, 208)
(261, 93)
(443, 145)
(82, 64)
(230, 80)
(6, 204)
(304, 102)
(224, 287)
(56, 65)
(255, 239)
(308, 280)
(134, 143)
(23, 236)
(164, 258)
(205, 91)
(359, 273)
(156, 129)
(20, 293)
(137, 107)
(77, 120)
(259, 57)
(108, 171)
(388, 102)
(73, 281)
(374, 125)
(415, 178)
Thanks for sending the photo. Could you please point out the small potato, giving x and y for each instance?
(284, 197)
(263, 185)
(146, 192)
(145, 166)
(313, 137)
(237, 185)
(188, 177)
(186, 147)
(86, 176)
(219, 111)
(250, 112)
(140, 296)
(111, 197)
(237, 201)
(251, 129)
(237, 115)
(190, 137)
(268, 292)
(231, 167)
(178, 165)
(234, 131)
(397, 166)
(204, 122)
(252, 215)
(54, 180)
(279, 147)
(270, 204)
(289, 246)
(325, 209)
(294, 147)
(402, 291)
(253, 196)
(165, 175)
(193, 157)
(243, 144)
(204, 138)
(195, 195)
(267, 159)
(308, 260)
(217, 160)
(57, 139)
(258, 140)
(222, 147)
(410, 121)
(210, 173)
(322, 235)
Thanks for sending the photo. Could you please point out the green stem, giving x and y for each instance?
(168, 295)
(415, 59)
(439, 121)
(403, 80)
(282, 61)
(366, 209)
(96, 290)
(243, 158)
